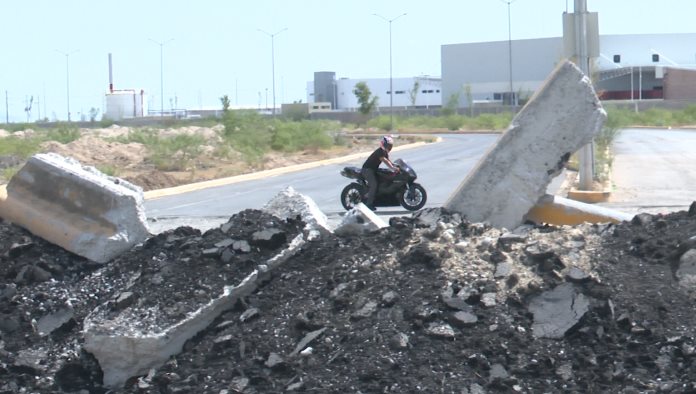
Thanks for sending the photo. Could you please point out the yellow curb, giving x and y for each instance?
(154, 194)
(589, 196)
(562, 211)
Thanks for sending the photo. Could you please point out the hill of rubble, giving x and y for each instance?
(432, 303)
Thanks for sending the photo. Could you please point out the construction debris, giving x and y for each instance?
(76, 207)
(590, 308)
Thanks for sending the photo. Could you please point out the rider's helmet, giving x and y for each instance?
(386, 143)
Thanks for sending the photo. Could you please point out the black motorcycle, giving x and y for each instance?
(394, 188)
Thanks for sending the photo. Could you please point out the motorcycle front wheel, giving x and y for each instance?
(352, 195)
(414, 198)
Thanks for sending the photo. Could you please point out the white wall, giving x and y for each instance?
(429, 92)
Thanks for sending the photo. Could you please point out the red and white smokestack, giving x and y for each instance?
(111, 77)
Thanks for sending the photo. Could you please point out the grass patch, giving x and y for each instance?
(19, 147)
(253, 135)
(108, 169)
(64, 134)
(9, 172)
(454, 122)
(175, 153)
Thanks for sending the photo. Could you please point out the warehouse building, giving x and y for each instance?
(409, 93)
(630, 67)
(635, 66)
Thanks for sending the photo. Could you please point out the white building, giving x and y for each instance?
(629, 66)
(416, 92)
(125, 104)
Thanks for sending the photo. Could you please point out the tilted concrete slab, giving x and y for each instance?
(564, 115)
(131, 342)
(75, 207)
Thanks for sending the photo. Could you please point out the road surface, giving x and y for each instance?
(654, 171)
(440, 167)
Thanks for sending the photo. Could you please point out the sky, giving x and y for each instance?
(195, 52)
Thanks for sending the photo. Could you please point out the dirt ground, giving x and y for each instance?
(131, 161)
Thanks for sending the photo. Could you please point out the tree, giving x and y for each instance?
(413, 93)
(365, 100)
(93, 113)
(469, 99)
(452, 104)
(225, 100)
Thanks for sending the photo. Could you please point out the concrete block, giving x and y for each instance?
(290, 204)
(76, 207)
(359, 220)
(564, 115)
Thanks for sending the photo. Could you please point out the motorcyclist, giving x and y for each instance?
(369, 168)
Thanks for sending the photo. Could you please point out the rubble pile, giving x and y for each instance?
(431, 303)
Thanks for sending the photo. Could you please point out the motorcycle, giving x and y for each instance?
(393, 189)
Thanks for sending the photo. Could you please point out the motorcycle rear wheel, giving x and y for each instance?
(352, 195)
(415, 199)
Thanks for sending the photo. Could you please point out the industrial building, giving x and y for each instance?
(415, 92)
(124, 103)
(632, 66)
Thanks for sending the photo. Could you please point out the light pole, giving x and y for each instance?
(67, 76)
(273, 62)
(512, 93)
(161, 44)
(391, 85)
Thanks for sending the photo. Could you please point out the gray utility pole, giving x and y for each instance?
(161, 45)
(391, 85)
(67, 76)
(581, 41)
(586, 154)
(513, 99)
(272, 66)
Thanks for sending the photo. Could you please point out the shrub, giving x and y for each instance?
(292, 137)
(20, 147)
(248, 133)
(177, 152)
(63, 133)
(454, 122)
(382, 122)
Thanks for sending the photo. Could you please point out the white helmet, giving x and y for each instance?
(386, 143)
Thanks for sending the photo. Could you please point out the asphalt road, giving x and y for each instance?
(654, 171)
(440, 167)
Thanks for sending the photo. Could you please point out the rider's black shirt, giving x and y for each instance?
(375, 159)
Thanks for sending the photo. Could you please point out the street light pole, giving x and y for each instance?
(391, 85)
(67, 76)
(161, 44)
(512, 93)
(273, 63)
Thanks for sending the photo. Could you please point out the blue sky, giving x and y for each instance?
(215, 48)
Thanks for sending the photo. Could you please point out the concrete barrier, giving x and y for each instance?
(563, 115)
(75, 207)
